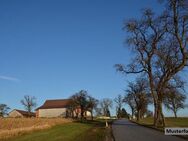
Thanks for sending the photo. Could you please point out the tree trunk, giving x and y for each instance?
(163, 118)
(91, 115)
(138, 115)
(72, 114)
(155, 114)
(160, 120)
(175, 114)
(153, 94)
(82, 115)
(106, 123)
(132, 113)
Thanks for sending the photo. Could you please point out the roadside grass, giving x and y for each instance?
(170, 121)
(177, 122)
(75, 131)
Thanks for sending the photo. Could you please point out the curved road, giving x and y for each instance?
(124, 130)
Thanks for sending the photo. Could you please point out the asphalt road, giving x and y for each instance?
(124, 130)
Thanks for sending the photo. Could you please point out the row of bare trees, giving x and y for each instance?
(159, 43)
(138, 98)
(83, 101)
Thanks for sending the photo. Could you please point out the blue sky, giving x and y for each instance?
(52, 49)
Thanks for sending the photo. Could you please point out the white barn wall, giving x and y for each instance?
(56, 112)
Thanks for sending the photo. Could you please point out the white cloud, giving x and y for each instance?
(9, 78)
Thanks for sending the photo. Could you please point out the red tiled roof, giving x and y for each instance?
(25, 113)
(58, 103)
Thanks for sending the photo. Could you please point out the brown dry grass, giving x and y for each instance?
(16, 126)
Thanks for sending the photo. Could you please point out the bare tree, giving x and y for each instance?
(80, 100)
(106, 104)
(174, 100)
(124, 113)
(138, 92)
(98, 111)
(3, 110)
(29, 102)
(119, 102)
(71, 109)
(129, 99)
(92, 104)
(160, 47)
(144, 37)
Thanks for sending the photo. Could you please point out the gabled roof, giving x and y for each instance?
(25, 113)
(57, 103)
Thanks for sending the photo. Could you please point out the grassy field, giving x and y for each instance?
(170, 122)
(92, 131)
(16, 126)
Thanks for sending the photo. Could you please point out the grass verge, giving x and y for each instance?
(90, 130)
(170, 122)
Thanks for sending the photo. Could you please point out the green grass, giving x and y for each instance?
(145, 121)
(92, 131)
(170, 121)
(177, 122)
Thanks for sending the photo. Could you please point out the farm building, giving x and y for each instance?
(58, 108)
(20, 114)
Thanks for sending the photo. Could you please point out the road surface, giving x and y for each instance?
(124, 130)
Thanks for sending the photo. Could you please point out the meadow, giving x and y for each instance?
(74, 131)
(10, 127)
(52, 129)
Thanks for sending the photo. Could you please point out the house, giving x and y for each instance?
(58, 108)
(20, 114)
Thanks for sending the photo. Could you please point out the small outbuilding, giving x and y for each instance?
(20, 114)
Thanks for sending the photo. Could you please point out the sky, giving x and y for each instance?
(52, 49)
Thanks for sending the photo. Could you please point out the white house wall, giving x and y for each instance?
(56, 112)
